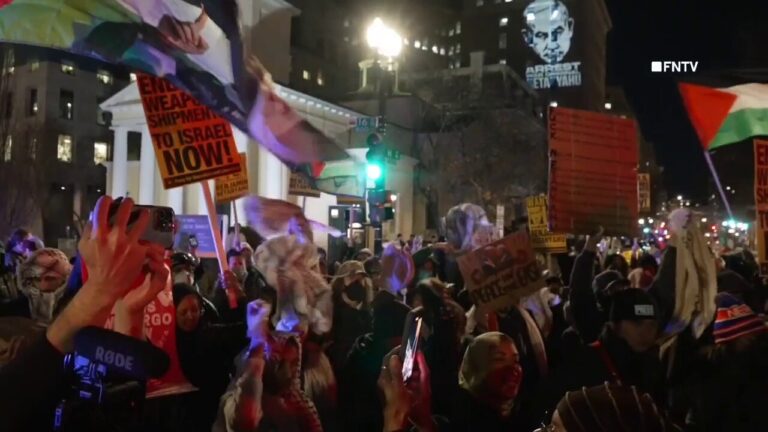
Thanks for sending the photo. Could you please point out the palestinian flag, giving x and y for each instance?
(723, 116)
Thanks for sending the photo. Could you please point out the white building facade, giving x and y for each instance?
(267, 176)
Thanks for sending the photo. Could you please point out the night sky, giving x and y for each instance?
(722, 36)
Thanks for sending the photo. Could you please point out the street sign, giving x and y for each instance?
(364, 124)
(392, 156)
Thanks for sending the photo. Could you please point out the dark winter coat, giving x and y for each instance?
(470, 415)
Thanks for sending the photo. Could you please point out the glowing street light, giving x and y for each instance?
(383, 39)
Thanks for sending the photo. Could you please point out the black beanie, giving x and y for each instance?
(389, 318)
(633, 304)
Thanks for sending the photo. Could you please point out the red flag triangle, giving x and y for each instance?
(707, 109)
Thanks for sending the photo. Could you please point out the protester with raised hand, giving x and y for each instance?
(115, 259)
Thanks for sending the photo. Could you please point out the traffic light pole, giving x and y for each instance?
(378, 245)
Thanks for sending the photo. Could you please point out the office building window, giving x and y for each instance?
(66, 104)
(68, 67)
(458, 27)
(450, 32)
(435, 49)
(417, 44)
(133, 77)
(100, 152)
(502, 40)
(503, 22)
(503, 61)
(33, 148)
(320, 79)
(507, 1)
(346, 23)
(442, 51)
(34, 65)
(104, 77)
(8, 153)
(479, 3)
(64, 148)
(306, 75)
(33, 105)
(458, 48)
(450, 50)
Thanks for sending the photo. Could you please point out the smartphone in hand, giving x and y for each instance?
(411, 343)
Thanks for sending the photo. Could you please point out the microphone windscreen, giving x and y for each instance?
(121, 354)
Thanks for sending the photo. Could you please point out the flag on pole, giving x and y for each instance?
(726, 115)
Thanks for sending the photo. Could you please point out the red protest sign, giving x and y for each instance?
(593, 172)
(191, 142)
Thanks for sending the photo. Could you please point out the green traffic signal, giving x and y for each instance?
(373, 171)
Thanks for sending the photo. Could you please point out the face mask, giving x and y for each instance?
(240, 273)
(184, 277)
(356, 291)
(42, 304)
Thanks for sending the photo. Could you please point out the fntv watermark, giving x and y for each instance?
(674, 66)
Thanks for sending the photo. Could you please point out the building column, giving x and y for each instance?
(176, 199)
(120, 162)
(147, 169)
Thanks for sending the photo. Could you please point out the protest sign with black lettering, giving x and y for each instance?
(538, 225)
(761, 203)
(233, 186)
(299, 186)
(191, 142)
(499, 274)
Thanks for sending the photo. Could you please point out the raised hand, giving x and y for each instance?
(115, 260)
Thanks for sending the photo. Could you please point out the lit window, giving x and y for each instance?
(406, 41)
(450, 32)
(417, 44)
(100, 150)
(346, 23)
(434, 49)
(442, 51)
(104, 76)
(8, 153)
(450, 50)
(502, 40)
(68, 67)
(320, 79)
(503, 22)
(507, 1)
(64, 148)
(33, 148)
(458, 48)
(306, 75)
(424, 47)
(10, 70)
(66, 104)
(458, 27)
(133, 77)
(34, 65)
(479, 3)
(503, 61)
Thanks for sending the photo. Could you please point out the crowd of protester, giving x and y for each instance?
(314, 346)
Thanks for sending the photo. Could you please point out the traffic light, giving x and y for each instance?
(376, 162)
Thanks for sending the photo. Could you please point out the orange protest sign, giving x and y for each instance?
(191, 142)
(499, 274)
(233, 186)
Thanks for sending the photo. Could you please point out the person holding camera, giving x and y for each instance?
(115, 259)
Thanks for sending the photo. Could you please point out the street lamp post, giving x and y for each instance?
(386, 44)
